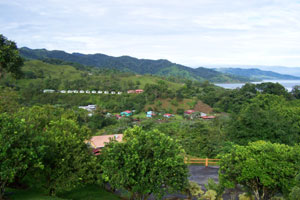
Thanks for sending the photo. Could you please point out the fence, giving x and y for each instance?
(205, 161)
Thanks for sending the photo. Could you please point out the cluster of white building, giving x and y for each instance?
(138, 91)
(81, 92)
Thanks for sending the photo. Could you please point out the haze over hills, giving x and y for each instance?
(255, 73)
(131, 64)
(294, 71)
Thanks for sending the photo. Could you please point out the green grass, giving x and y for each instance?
(29, 194)
(91, 192)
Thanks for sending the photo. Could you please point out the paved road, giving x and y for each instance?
(201, 174)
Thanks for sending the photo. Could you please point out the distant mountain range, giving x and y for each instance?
(131, 64)
(293, 71)
(257, 74)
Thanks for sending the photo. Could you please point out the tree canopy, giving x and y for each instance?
(261, 167)
(17, 148)
(10, 60)
(147, 162)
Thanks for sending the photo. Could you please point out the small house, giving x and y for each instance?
(167, 115)
(48, 91)
(63, 91)
(150, 114)
(189, 112)
(98, 142)
(208, 117)
(75, 91)
(118, 116)
(81, 91)
(131, 91)
(113, 92)
(89, 108)
(70, 91)
(87, 92)
(139, 91)
(106, 92)
(119, 92)
(94, 92)
(126, 113)
(100, 92)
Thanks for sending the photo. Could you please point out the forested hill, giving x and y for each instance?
(130, 64)
(254, 73)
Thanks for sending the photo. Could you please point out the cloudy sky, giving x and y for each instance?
(190, 32)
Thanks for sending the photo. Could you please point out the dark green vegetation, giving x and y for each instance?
(149, 162)
(262, 168)
(130, 64)
(89, 192)
(10, 60)
(43, 135)
(256, 74)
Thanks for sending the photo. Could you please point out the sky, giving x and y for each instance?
(191, 32)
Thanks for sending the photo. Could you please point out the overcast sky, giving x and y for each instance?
(190, 32)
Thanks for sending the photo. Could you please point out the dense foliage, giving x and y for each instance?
(266, 117)
(261, 167)
(17, 147)
(147, 162)
(10, 60)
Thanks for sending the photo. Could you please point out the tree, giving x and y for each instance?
(10, 60)
(272, 88)
(17, 149)
(66, 159)
(147, 162)
(264, 168)
(296, 91)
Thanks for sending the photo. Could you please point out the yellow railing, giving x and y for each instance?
(205, 161)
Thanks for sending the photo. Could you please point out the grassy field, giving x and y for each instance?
(91, 192)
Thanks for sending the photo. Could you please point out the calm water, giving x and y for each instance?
(288, 84)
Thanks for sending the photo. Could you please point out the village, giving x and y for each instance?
(98, 142)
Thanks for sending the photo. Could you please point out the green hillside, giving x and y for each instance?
(36, 70)
(131, 64)
(172, 92)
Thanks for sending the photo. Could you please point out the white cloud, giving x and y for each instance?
(193, 32)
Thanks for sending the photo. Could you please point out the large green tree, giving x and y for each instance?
(10, 60)
(263, 168)
(67, 161)
(17, 149)
(146, 162)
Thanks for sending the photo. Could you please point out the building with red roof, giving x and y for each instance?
(98, 142)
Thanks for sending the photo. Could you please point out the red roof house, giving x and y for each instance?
(98, 142)
(188, 112)
(139, 91)
(167, 115)
(208, 117)
(131, 91)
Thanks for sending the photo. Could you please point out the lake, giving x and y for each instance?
(288, 84)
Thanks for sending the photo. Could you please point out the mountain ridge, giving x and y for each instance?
(127, 63)
(255, 73)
